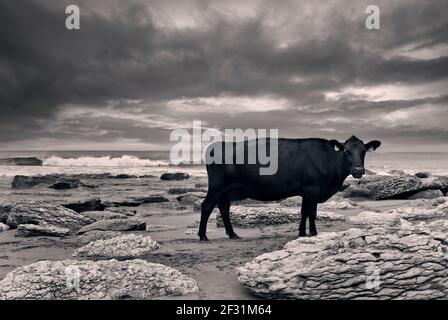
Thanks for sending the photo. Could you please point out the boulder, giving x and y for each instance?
(3, 227)
(43, 229)
(100, 280)
(175, 176)
(103, 215)
(250, 217)
(385, 187)
(66, 184)
(93, 204)
(427, 194)
(128, 246)
(43, 213)
(115, 225)
(422, 174)
(408, 262)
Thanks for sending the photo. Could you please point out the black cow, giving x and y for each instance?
(312, 168)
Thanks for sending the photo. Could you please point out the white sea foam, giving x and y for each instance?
(123, 161)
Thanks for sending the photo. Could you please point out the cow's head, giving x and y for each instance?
(354, 151)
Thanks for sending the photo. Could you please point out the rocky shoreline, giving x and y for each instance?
(96, 218)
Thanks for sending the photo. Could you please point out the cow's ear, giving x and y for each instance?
(336, 145)
(373, 145)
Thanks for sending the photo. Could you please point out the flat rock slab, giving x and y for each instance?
(95, 235)
(36, 230)
(43, 213)
(407, 262)
(115, 225)
(250, 217)
(394, 216)
(104, 215)
(89, 280)
(128, 246)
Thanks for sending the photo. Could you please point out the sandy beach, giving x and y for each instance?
(173, 224)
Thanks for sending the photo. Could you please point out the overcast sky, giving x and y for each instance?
(138, 69)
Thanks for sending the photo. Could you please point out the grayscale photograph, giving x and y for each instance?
(198, 150)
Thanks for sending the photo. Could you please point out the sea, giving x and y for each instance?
(156, 162)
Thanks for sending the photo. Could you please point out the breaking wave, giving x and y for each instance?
(107, 161)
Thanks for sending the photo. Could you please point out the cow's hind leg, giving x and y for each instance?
(224, 209)
(302, 225)
(209, 203)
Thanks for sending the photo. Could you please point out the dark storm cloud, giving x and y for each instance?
(159, 51)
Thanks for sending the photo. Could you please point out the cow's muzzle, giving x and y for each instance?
(358, 172)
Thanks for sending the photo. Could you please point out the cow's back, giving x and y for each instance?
(301, 162)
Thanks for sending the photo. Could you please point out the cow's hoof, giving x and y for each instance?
(313, 234)
(234, 236)
(302, 234)
(203, 238)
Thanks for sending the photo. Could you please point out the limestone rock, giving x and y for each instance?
(408, 262)
(339, 205)
(190, 198)
(44, 213)
(436, 183)
(175, 176)
(128, 246)
(3, 227)
(292, 202)
(103, 215)
(93, 204)
(385, 187)
(250, 217)
(115, 225)
(394, 216)
(95, 235)
(427, 194)
(36, 230)
(88, 280)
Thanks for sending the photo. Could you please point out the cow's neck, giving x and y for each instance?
(343, 171)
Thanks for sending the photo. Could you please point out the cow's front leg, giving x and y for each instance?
(309, 209)
(312, 216)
